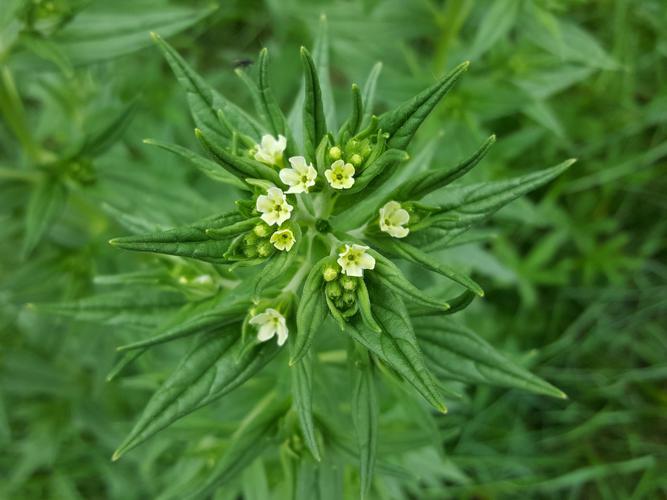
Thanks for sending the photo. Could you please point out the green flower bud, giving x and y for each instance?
(349, 299)
(250, 252)
(335, 153)
(348, 283)
(356, 160)
(264, 248)
(262, 230)
(330, 273)
(250, 239)
(333, 290)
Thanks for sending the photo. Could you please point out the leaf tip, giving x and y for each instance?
(116, 455)
(155, 37)
(442, 408)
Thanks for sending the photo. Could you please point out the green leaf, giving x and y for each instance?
(256, 433)
(427, 182)
(387, 161)
(402, 122)
(498, 20)
(242, 168)
(209, 168)
(368, 95)
(314, 123)
(312, 311)
(456, 304)
(185, 241)
(352, 124)
(414, 254)
(106, 135)
(364, 302)
(365, 416)
(471, 204)
(302, 386)
(274, 115)
(396, 345)
(321, 58)
(278, 266)
(45, 205)
(204, 101)
(218, 364)
(457, 353)
(391, 276)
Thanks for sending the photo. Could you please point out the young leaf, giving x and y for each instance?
(302, 386)
(364, 302)
(207, 167)
(387, 161)
(351, 126)
(45, 204)
(402, 122)
(457, 353)
(427, 182)
(217, 364)
(311, 312)
(314, 123)
(274, 115)
(204, 101)
(184, 241)
(397, 344)
(391, 276)
(472, 204)
(456, 304)
(368, 96)
(365, 416)
(321, 59)
(106, 135)
(414, 254)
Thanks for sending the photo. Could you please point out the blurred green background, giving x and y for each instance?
(575, 277)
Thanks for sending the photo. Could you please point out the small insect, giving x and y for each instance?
(243, 63)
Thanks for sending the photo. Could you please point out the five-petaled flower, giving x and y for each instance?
(270, 150)
(393, 218)
(300, 177)
(270, 323)
(283, 239)
(354, 259)
(340, 175)
(273, 206)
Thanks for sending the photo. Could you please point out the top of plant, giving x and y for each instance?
(319, 225)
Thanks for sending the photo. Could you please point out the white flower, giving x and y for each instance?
(274, 206)
(340, 175)
(300, 177)
(270, 323)
(270, 150)
(283, 240)
(393, 218)
(354, 259)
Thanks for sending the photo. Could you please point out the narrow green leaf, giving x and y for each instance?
(427, 182)
(232, 230)
(457, 353)
(364, 302)
(396, 345)
(352, 124)
(185, 241)
(312, 311)
(392, 277)
(388, 160)
(274, 115)
(204, 101)
(302, 386)
(108, 133)
(126, 360)
(471, 204)
(365, 415)
(45, 205)
(321, 49)
(207, 167)
(242, 168)
(456, 304)
(217, 364)
(498, 20)
(414, 254)
(402, 122)
(314, 124)
(368, 94)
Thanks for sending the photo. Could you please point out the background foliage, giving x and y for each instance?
(575, 277)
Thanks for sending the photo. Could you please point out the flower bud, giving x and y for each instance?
(333, 290)
(250, 239)
(348, 283)
(261, 230)
(348, 299)
(264, 249)
(330, 273)
(335, 153)
(356, 160)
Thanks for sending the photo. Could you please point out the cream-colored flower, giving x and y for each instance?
(273, 206)
(354, 259)
(268, 324)
(393, 218)
(300, 177)
(270, 150)
(340, 175)
(283, 240)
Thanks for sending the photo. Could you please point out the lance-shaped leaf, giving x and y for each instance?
(427, 182)
(365, 416)
(391, 276)
(203, 322)
(402, 122)
(204, 101)
(270, 109)
(312, 310)
(387, 161)
(456, 304)
(106, 134)
(314, 123)
(218, 364)
(207, 167)
(397, 344)
(255, 434)
(455, 352)
(414, 254)
(352, 124)
(185, 241)
(471, 204)
(368, 95)
(242, 168)
(302, 387)
(45, 205)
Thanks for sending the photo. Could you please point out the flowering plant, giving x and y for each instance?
(308, 259)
